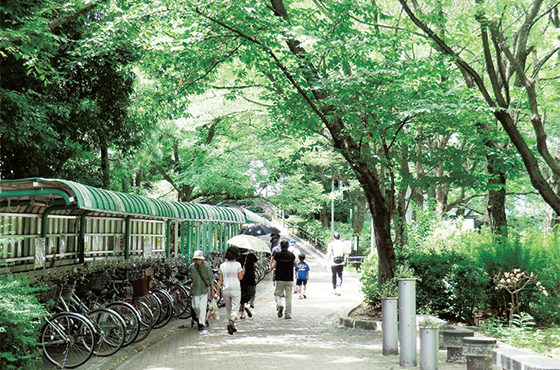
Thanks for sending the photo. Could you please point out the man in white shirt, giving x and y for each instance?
(337, 256)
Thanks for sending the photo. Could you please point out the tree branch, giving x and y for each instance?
(445, 49)
(536, 118)
(71, 17)
(215, 65)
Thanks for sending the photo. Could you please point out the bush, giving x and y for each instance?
(451, 284)
(522, 333)
(457, 268)
(370, 286)
(20, 319)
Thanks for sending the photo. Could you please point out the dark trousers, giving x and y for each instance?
(337, 271)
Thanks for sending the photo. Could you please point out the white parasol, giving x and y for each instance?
(249, 242)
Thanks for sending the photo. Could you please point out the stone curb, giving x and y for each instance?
(346, 321)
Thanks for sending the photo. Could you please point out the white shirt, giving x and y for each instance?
(230, 275)
(292, 248)
(336, 248)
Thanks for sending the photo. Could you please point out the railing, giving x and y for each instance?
(313, 239)
(356, 259)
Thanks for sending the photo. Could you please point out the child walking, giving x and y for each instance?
(302, 275)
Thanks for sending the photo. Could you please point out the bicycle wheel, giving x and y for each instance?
(131, 318)
(166, 308)
(111, 328)
(155, 306)
(146, 320)
(181, 299)
(68, 339)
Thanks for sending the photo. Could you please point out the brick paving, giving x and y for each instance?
(312, 339)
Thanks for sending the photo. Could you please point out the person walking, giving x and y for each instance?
(302, 275)
(202, 279)
(294, 249)
(337, 255)
(248, 283)
(231, 274)
(284, 263)
(274, 239)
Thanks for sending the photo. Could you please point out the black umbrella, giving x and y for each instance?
(260, 229)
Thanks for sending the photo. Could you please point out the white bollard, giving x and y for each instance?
(390, 326)
(407, 321)
(429, 348)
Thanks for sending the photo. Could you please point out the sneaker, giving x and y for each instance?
(338, 294)
(288, 318)
(249, 313)
(300, 297)
(230, 328)
(305, 296)
(200, 327)
(280, 311)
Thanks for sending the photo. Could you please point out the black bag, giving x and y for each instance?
(338, 260)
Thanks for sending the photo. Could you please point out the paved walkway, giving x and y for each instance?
(311, 340)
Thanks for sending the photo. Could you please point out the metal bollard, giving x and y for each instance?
(407, 322)
(390, 326)
(478, 351)
(453, 341)
(429, 348)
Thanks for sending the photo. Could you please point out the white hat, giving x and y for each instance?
(198, 255)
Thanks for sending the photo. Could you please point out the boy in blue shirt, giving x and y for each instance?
(302, 275)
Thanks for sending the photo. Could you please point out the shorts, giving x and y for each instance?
(301, 282)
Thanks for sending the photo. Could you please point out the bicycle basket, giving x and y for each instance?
(49, 293)
(99, 282)
(183, 270)
(140, 287)
(66, 292)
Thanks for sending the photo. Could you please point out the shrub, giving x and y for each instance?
(521, 333)
(20, 318)
(451, 284)
(370, 286)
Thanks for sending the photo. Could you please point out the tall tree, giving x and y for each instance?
(509, 32)
(65, 91)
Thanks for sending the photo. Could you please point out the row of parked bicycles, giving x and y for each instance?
(96, 312)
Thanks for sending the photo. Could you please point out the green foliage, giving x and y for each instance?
(456, 268)
(522, 333)
(370, 287)
(65, 91)
(451, 285)
(20, 319)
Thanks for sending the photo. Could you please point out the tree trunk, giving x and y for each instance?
(382, 224)
(138, 178)
(496, 200)
(418, 192)
(552, 219)
(401, 238)
(105, 167)
(496, 197)
(184, 193)
(360, 212)
(324, 216)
